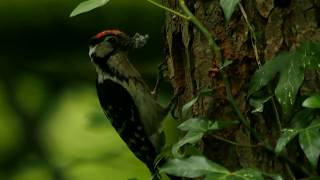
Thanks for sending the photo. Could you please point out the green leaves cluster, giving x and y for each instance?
(309, 140)
(199, 166)
(291, 67)
(196, 129)
(305, 125)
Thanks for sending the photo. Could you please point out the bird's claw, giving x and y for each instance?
(161, 68)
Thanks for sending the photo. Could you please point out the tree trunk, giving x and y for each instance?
(279, 25)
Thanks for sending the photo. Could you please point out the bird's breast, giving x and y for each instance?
(124, 115)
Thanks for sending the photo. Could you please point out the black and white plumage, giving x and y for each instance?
(125, 97)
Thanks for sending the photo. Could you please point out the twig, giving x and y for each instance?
(252, 33)
(168, 9)
(233, 143)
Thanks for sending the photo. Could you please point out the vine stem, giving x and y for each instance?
(169, 10)
(253, 35)
(235, 106)
(233, 143)
(212, 44)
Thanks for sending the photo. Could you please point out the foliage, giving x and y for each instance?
(187, 107)
(258, 103)
(312, 101)
(87, 6)
(291, 67)
(196, 129)
(199, 166)
(228, 7)
(308, 140)
(226, 64)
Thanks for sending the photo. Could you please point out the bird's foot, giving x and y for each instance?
(161, 69)
(172, 106)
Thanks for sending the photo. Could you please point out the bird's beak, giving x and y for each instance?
(91, 51)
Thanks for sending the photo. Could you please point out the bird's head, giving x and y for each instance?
(106, 43)
(109, 42)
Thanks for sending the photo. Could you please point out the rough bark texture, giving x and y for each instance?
(278, 26)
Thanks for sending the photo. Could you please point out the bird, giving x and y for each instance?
(125, 97)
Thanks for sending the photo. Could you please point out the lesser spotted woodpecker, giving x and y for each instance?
(124, 96)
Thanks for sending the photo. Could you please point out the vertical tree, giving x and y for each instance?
(256, 32)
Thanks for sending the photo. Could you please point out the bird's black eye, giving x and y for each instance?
(111, 40)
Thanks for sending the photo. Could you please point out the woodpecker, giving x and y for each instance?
(125, 97)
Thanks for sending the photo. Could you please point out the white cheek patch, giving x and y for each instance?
(91, 50)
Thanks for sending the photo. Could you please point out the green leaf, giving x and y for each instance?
(191, 137)
(286, 136)
(258, 103)
(302, 119)
(88, 5)
(228, 7)
(243, 174)
(312, 101)
(289, 83)
(267, 72)
(205, 92)
(309, 141)
(225, 64)
(248, 174)
(216, 176)
(194, 166)
(272, 176)
(311, 51)
(313, 178)
(186, 108)
(204, 125)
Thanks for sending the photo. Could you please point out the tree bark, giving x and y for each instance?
(279, 25)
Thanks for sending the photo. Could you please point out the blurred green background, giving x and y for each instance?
(51, 125)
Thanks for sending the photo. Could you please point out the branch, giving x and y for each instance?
(233, 143)
(168, 9)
